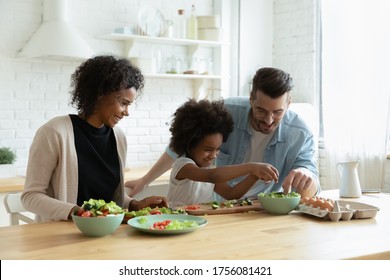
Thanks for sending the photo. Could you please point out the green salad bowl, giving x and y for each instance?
(98, 226)
(278, 203)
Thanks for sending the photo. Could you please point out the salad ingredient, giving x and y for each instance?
(192, 207)
(229, 203)
(279, 194)
(249, 201)
(97, 208)
(153, 211)
(173, 225)
(215, 205)
(318, 202)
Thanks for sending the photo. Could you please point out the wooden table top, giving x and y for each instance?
(256, 235)
(16, 184)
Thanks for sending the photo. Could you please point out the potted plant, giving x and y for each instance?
(7, 158)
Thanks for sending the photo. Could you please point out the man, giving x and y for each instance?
(264, 131)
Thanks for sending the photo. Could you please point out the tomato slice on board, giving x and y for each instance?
(192, 207)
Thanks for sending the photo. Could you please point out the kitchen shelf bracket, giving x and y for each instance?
(192, 49)
(128, 46)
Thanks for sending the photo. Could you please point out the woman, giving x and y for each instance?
(77, 157)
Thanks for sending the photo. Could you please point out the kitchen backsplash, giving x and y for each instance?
(34, 90)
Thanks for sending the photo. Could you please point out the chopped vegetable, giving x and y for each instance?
(153, 211)
(279, 194)
(142, 220)
(229, 203)
(215, 205)
(243, 202)
(192, 207)
(173, 225)
(248, 201)
(98, 207)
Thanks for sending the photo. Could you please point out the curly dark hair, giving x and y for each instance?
(272, 82)
(194, 120)
(101, 76)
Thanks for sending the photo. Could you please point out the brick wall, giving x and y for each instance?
(32, 91)
(296, 48)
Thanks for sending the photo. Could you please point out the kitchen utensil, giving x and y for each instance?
(98, 226)
(279, 205)
(350, 184)
(207, 209)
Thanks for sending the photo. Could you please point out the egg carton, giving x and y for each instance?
(344, 210)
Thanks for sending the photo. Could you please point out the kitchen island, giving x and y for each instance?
(254, 235)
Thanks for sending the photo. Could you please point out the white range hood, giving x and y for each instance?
(55, 37)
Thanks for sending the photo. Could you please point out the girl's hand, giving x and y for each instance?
(265, 172)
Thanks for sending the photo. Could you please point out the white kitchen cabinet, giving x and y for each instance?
(214, 82)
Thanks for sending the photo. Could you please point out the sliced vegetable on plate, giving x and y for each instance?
(152, 211)
(167, 223)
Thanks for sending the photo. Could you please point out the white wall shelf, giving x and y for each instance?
(183, 76)
(191, 45)
(163, 40)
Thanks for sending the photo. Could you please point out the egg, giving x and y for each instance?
(318, 203)
(326, 206)
(304, 200)
(311, 201)
(331, 201)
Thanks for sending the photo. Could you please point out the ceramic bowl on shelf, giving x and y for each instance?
(279, 203)
(98, 226)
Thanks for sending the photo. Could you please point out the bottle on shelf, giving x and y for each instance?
(180, 24)
(192, 26)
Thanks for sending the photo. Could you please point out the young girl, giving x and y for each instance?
(198, 131)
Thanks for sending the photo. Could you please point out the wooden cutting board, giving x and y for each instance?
(206, 209)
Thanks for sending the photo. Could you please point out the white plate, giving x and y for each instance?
(151, 21)
(150, 220)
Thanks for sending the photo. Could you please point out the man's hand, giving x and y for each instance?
(300, 179)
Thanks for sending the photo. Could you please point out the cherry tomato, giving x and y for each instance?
(155, 212)
(161, 225)
(192, 207)
(86, 214)
(80, 211)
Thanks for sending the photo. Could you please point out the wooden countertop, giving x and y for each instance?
(16, 184)
(256, 235)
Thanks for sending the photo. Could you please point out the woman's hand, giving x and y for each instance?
(151, 201)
